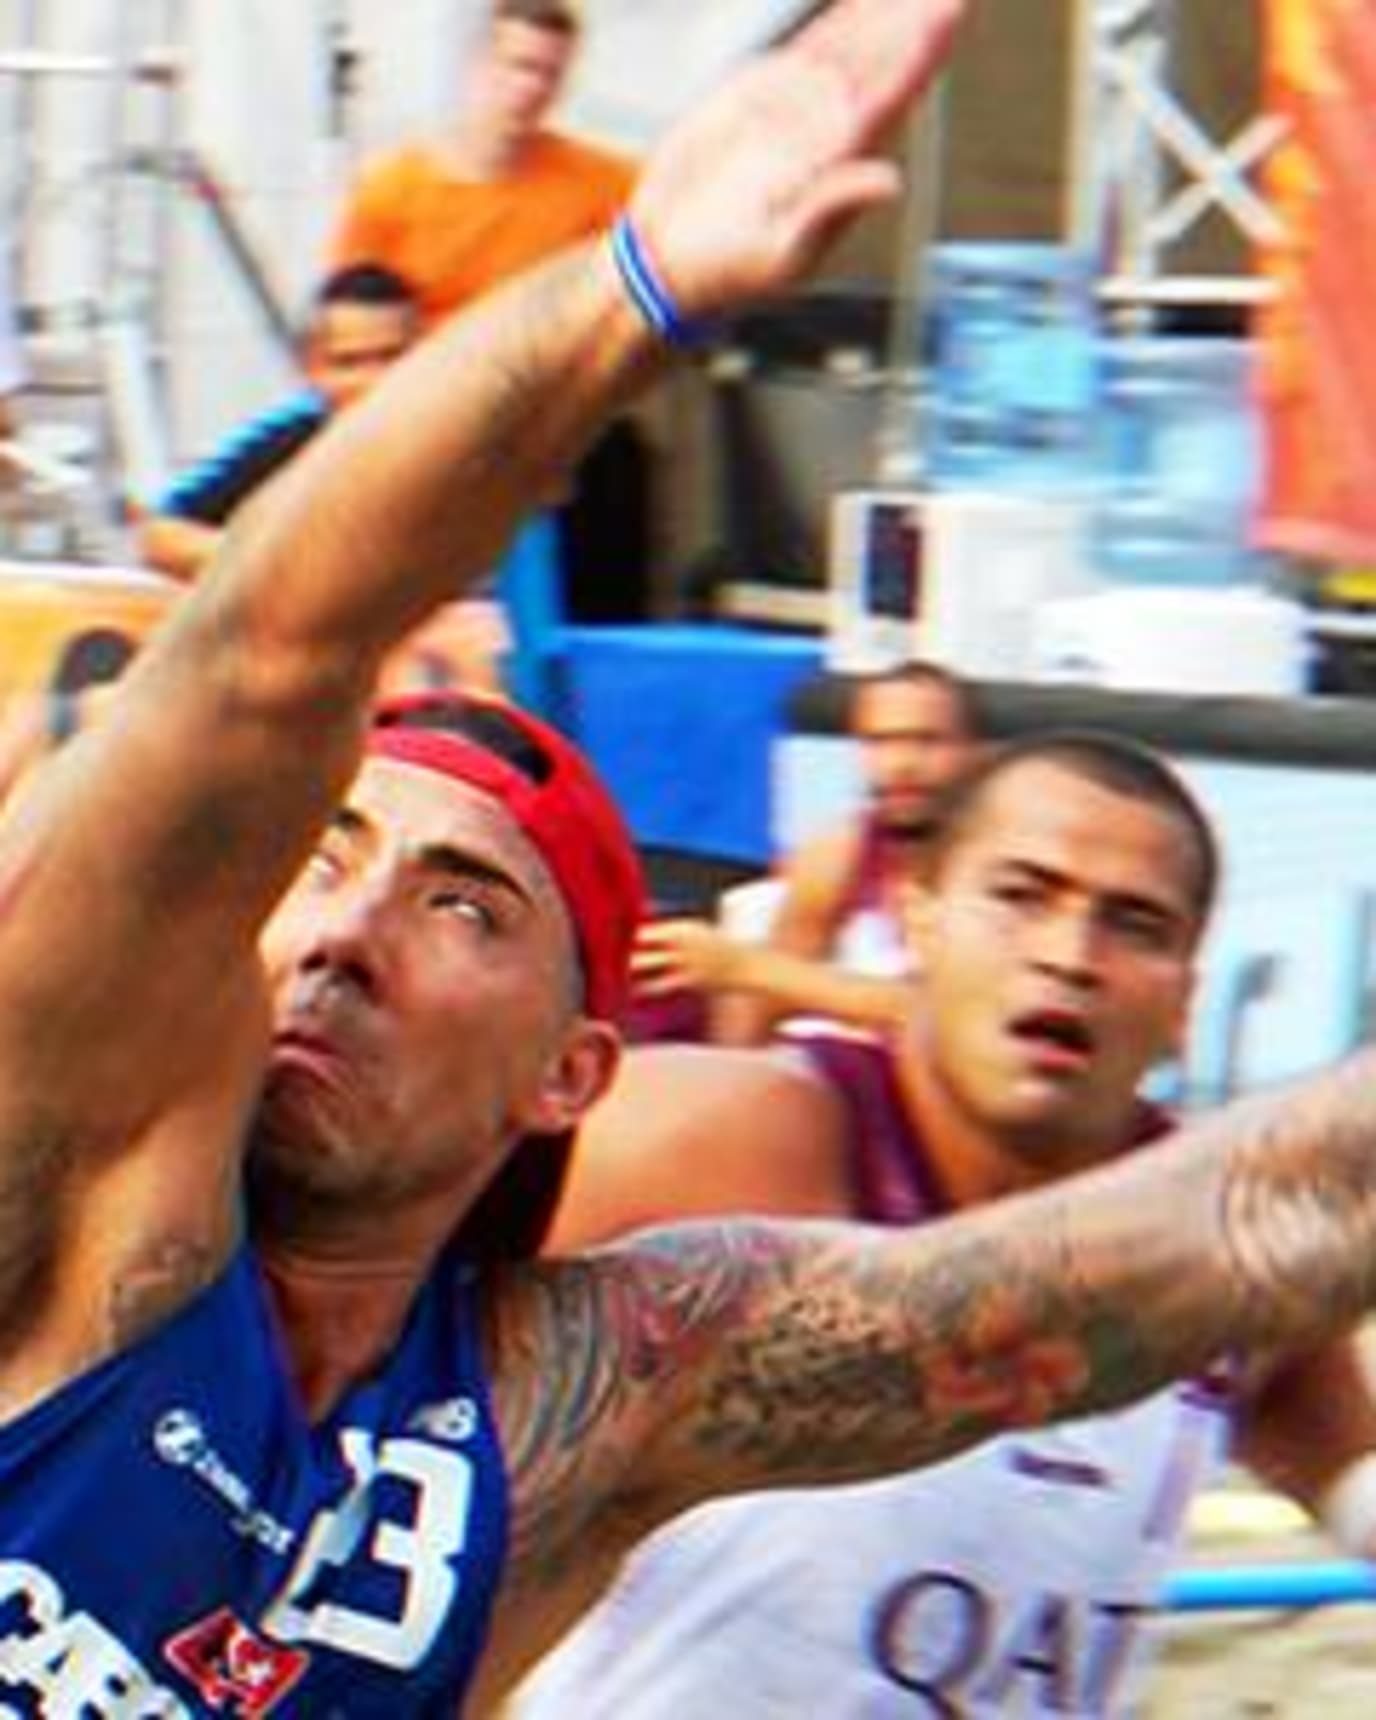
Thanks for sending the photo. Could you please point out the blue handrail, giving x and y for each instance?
(1262, 1587)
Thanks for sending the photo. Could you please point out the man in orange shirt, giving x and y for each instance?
(457, 213)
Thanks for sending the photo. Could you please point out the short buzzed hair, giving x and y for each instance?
(919, 672)
(1123, 767)
(371, 284)
(555, 15)
(365, 284)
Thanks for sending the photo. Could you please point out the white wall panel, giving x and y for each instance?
(257, 100)
(645, 60)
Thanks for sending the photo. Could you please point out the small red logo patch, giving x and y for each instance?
(235, 1671)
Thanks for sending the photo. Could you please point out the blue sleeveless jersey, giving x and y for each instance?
(177, 1539)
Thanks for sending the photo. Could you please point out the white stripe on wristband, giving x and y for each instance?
(648, 293)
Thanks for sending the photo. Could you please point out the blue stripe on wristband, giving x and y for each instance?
(648, 293)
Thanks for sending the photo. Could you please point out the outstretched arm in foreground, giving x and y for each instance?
(705, 1360)
(135, 875)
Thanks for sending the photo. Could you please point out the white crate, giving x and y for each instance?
(956, 576)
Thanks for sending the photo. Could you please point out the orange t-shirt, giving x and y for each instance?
(453, 238)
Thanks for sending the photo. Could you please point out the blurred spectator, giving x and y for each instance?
(496, 193)
(834, 945)
(363, 318)
(499, 191)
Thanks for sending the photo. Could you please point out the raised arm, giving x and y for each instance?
(135, 874)
(705, 1360)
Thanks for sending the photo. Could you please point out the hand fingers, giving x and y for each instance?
(835, 199)
(666, 934)
(645, 963)
(658, 985)
(885, 51)
(655, 973)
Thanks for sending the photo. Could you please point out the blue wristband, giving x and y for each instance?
(648, 293)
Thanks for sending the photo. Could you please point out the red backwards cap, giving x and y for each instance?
(564, 811)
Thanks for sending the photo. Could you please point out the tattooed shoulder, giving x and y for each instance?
(582, 1350)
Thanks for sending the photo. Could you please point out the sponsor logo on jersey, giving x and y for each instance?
(235, 1671)
(958, 1647)
(66, 1662)
(181, 1441)
(453, 1422)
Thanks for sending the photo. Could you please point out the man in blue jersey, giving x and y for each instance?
(456, 1452)
(362, 319)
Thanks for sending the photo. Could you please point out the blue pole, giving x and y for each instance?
(1237, 1587)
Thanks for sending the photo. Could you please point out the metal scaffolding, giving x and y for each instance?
(96, 169)
(1143, 171)
(89, 111)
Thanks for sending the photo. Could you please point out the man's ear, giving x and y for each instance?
(575, 1078)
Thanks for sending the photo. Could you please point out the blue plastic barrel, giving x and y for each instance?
(1181, 463)
(1013, 373)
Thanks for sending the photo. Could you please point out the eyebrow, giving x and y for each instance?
(345, 821)
(444, 860)
(910, 732)
(441, 859)
(1169, 913)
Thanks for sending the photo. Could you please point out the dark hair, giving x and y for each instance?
(917, 672)
(364, 284)
(486, 725)
(511, 1217)
(554, 15)
(1121, 766)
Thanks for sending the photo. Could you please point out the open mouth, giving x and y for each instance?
(1057, 1039)
(297, 1050)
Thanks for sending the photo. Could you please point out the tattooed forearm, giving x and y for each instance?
(578, 352)
(707, 1359)
(1256, 1230)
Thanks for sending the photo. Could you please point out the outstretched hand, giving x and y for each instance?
(743, 196)
(682, 955)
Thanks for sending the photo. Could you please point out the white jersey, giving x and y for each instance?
(1009, 1583)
